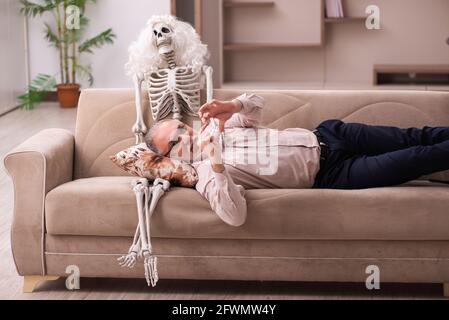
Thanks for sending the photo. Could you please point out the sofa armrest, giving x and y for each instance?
(37, 166)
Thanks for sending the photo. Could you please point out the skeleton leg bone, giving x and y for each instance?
(147, 199)
(130, 260)
(159, 188)
(140, 187)
(150, 261)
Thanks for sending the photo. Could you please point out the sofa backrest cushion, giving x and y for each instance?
(105, 117)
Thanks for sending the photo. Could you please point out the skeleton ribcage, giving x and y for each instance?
(173, 90)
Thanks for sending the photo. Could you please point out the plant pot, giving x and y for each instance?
(68, 95)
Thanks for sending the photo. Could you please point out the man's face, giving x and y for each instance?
(174, 139)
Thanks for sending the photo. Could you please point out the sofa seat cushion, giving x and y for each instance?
(106, 206)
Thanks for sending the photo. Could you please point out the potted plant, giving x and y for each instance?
(68, 38)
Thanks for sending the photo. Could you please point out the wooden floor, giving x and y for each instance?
(17, 126)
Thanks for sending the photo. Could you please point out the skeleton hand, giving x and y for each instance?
(128, 261)
(139, 130)
(221, 110)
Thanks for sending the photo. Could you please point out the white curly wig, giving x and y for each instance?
(189, 50)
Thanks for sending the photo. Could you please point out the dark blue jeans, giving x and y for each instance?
(363, 156)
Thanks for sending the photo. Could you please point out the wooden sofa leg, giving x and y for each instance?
(446, 289)
(30, 282)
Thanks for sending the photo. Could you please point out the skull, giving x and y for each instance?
(163, 34)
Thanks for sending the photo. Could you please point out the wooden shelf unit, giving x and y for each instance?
(248, 4)
(301, 85)
(258, 46)
(306, 15)
(412, 72)
(415, 68)
(345, 20)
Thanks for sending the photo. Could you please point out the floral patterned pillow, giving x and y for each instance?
(140, 161)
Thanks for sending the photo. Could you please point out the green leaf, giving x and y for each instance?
(84, 22)
(105, 37)
(36, 92)
(51, 36)
(86, 73)
(81, 4)
(74, 36)
(32, 9)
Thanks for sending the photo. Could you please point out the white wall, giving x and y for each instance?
(12, 54)
(127, 18)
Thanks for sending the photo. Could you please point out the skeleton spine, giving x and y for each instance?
(170, 59)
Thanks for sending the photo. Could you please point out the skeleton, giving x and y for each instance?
(175, 89)
(172, 89)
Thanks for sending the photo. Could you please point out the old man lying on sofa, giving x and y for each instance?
(336, 155)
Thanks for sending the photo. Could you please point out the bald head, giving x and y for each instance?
(166, 135)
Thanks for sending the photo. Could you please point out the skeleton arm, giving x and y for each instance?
(139, 128)
(208, 72)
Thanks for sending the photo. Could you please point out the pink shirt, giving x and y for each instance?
(257, 158)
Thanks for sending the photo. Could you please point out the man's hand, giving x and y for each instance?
(210, 147)
(221, 110)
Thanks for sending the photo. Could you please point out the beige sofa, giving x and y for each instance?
(74, 207)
